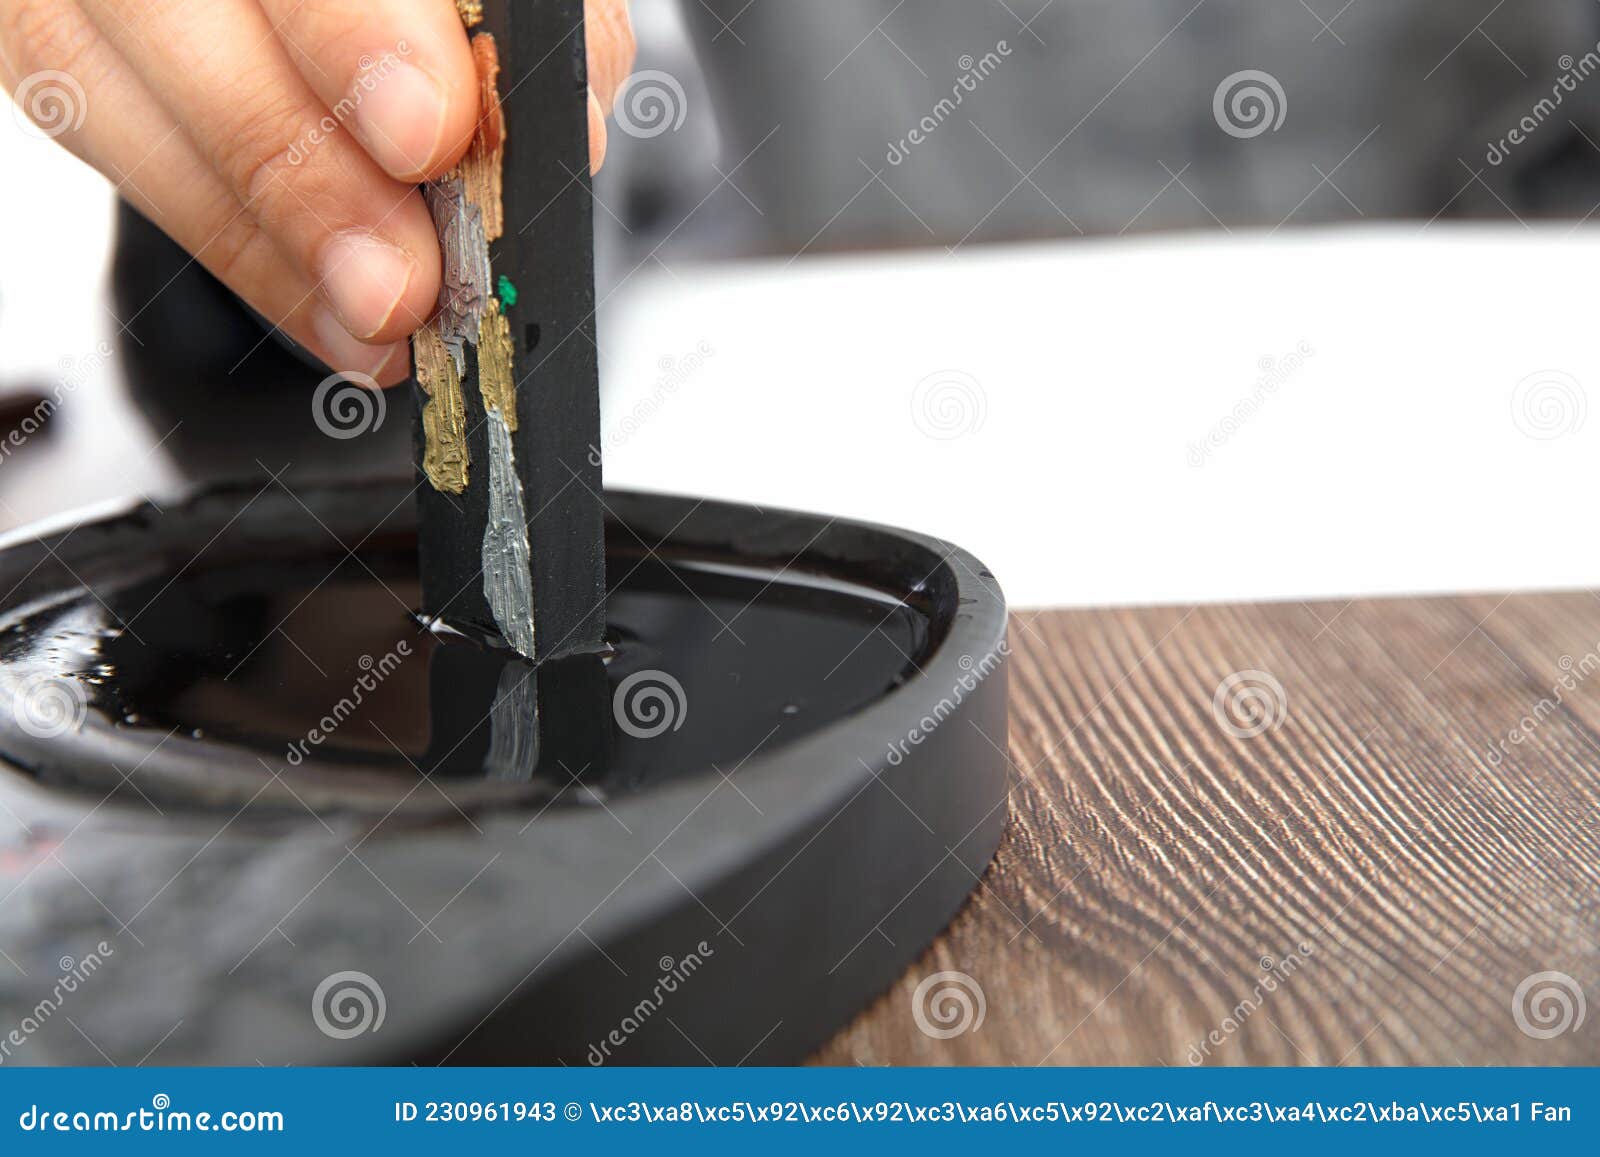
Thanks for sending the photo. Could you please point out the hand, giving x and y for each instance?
(213, 118)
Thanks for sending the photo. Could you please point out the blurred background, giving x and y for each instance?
(1144, 301)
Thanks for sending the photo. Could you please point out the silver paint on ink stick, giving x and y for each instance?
(507, 559)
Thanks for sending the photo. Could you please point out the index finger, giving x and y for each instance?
(397, 73)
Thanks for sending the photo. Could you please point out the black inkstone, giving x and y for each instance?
(788, 768)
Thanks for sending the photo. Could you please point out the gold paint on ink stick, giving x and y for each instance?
(445, 457)
(495, 380)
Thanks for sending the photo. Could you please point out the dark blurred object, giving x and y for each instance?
(238, 398)
(24, 412)
(1102, 119)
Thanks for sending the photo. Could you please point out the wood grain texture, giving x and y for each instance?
(1367, 881)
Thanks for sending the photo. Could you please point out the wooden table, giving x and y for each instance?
(1368, 880)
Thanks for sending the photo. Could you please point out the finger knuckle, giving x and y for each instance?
(267, 141)
(37, 38)
(332, 34)
(332, 21)
(238, 249)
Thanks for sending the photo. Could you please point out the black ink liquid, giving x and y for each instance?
(305, 668)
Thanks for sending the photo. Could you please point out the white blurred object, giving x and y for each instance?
(1070, 412)
(56, 328)
(1040, 405)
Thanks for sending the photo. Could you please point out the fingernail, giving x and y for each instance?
(597, 134)
(396, 368)
(344, 354)
(400, 118)
(364, 279)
